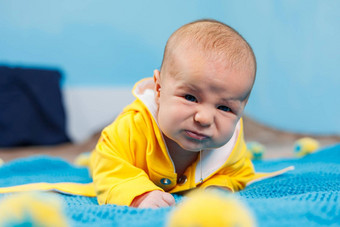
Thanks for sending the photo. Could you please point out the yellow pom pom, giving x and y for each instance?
(255, 150)
(32, 209)
(1, 162)
(305, 146)
(83, 159)
(210, 208)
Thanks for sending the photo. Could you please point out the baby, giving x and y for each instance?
(184, 130)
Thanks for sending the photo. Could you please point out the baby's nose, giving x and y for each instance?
(204, 117)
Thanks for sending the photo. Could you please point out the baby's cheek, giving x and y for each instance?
(227, 132)
(166, 119)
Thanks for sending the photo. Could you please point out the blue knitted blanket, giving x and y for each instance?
(307, 196)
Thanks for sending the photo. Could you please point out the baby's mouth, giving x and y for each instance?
(196, 135)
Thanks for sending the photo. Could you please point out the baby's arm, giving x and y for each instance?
(116, 177)
(232, 178)
(153, 199)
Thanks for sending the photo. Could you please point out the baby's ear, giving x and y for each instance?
(157, 82)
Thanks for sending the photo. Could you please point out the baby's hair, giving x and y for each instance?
(214, 38)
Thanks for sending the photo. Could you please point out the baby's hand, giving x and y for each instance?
(153, 199)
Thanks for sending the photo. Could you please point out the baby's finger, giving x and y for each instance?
(148, 205)
(152, 206)
(161, 203)
(169, 199)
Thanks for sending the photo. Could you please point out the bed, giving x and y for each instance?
(306, 196)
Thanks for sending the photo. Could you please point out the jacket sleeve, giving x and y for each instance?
(116, 179)
(237, 171)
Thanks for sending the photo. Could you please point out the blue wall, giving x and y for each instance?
(115, 43)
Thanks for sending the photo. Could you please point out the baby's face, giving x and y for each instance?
(200, 101)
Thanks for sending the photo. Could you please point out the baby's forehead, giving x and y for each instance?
(217, 59)
(237, 58)
(215, 81)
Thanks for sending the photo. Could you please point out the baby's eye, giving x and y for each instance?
(224, 108)
(190, 98)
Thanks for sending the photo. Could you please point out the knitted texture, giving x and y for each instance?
(307, 196)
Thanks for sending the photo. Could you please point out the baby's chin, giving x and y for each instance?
(197, 149)
(197, 146)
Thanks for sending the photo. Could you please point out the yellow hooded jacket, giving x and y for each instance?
(131, 157)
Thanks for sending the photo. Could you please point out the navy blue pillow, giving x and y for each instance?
(31, 107)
